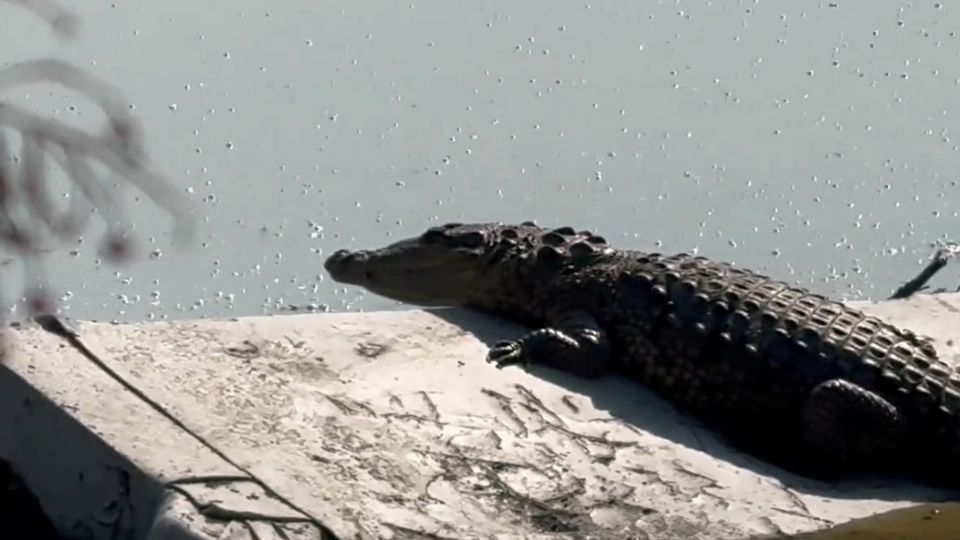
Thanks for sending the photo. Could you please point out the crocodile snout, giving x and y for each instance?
(343, 264)
(411, 271)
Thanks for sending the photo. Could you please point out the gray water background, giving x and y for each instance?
(809, 140)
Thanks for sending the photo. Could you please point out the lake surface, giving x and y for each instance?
(813, 142)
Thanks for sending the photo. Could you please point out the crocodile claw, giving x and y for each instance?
(507, 353)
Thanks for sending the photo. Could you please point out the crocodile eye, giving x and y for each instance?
(433, 236)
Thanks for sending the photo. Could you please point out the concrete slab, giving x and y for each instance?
(385, 425)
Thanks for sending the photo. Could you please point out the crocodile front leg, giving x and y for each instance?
(846, 428)
(572, 342)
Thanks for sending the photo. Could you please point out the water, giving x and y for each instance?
(811, 142)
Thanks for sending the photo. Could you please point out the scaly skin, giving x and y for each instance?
(788, 375)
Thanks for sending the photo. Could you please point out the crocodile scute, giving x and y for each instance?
(791, 376)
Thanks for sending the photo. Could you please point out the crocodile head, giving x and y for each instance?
(478, 265)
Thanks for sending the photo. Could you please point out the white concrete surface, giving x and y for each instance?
(385, 425)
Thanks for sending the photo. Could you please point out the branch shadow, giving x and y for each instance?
(640, 407)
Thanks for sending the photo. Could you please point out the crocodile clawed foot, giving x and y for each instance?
(507, 353)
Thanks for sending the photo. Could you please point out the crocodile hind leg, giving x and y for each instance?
(574, 343)
(848, 429)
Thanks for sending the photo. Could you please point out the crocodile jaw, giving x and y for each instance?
(410, 272)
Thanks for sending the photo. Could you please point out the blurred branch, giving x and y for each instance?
(28, 216)
(63, 23)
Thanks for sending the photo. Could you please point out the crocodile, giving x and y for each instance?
(792, 377)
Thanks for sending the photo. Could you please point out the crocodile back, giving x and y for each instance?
(710, 332)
